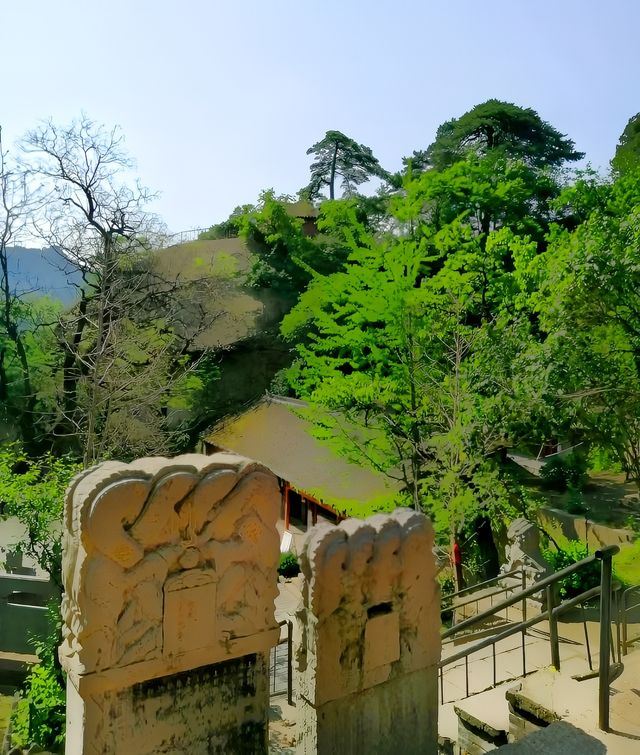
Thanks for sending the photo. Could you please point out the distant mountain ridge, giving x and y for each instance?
(42, 271)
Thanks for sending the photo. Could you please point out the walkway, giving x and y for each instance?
(576, 702)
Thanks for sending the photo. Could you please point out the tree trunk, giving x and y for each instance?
(332, 177)
(27, 415)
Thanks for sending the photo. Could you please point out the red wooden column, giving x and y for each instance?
(287, 512)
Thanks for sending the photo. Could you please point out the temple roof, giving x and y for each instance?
(276, 433)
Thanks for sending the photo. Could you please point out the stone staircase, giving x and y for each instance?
(492, 715)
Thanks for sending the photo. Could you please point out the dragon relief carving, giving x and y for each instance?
(163, 557)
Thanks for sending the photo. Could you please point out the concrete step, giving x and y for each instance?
(477, 671)
(484, 721)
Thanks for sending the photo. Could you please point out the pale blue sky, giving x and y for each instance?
(219, 100)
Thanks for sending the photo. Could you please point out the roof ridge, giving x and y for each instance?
(274, 398)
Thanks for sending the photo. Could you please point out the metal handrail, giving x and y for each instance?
(486, 583)
(624, 610)
(476, 599)
(605, 555)
(521, 627)
(552, 579)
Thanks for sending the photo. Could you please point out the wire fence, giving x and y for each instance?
(280, 664)
(182, 237)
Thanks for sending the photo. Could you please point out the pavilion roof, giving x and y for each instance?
(276, 432)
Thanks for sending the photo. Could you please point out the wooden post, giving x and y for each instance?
(287, 511)
(553, 627)
(456, 558)
(605, 630)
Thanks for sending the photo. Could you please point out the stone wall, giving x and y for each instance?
(578, 528)
(369, 642)
(23, 611)
(170, 576)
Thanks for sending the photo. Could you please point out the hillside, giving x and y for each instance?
(240, 312)
(245, 328)
(42, 271)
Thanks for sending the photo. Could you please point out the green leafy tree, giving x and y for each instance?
(339, 156)
(32, 490)
(281, 249)
(497, 126)
(627, 156)
(387, 345)
(285, 257)
(588, 306)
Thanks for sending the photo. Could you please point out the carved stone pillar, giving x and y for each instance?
(170, 576)
(369, 643)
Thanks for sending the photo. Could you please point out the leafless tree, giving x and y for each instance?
(17, 203)
(123, 344)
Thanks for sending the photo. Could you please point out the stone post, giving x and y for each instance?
(169, 571)
(369, 640)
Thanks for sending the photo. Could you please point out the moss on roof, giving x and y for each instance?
(275, 433)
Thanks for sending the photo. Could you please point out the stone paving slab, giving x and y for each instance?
(577, 703)
(560, 738)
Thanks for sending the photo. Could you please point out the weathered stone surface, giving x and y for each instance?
(213, 709)
(369, 641)
(168, 566)
(523, 550)
(560, 738)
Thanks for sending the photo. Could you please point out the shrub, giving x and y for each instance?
(565, 472)
(576, 504)
(39, 717)
(288, 566)
(32, 489)
(603, 460)
(579, 581)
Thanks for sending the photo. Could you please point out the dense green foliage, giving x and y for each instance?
(40, 715)
(565, 472)
(493, 306)
(516, 132)
(627, 156)
(582, 579)
(283, 252)
(288, 565)
(32, 490)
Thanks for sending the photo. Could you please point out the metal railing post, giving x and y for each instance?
(524, 600)
(290, 663)
(616, 613)
(624, 623)
(553, 628)
(605, 635)
(586, 638)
